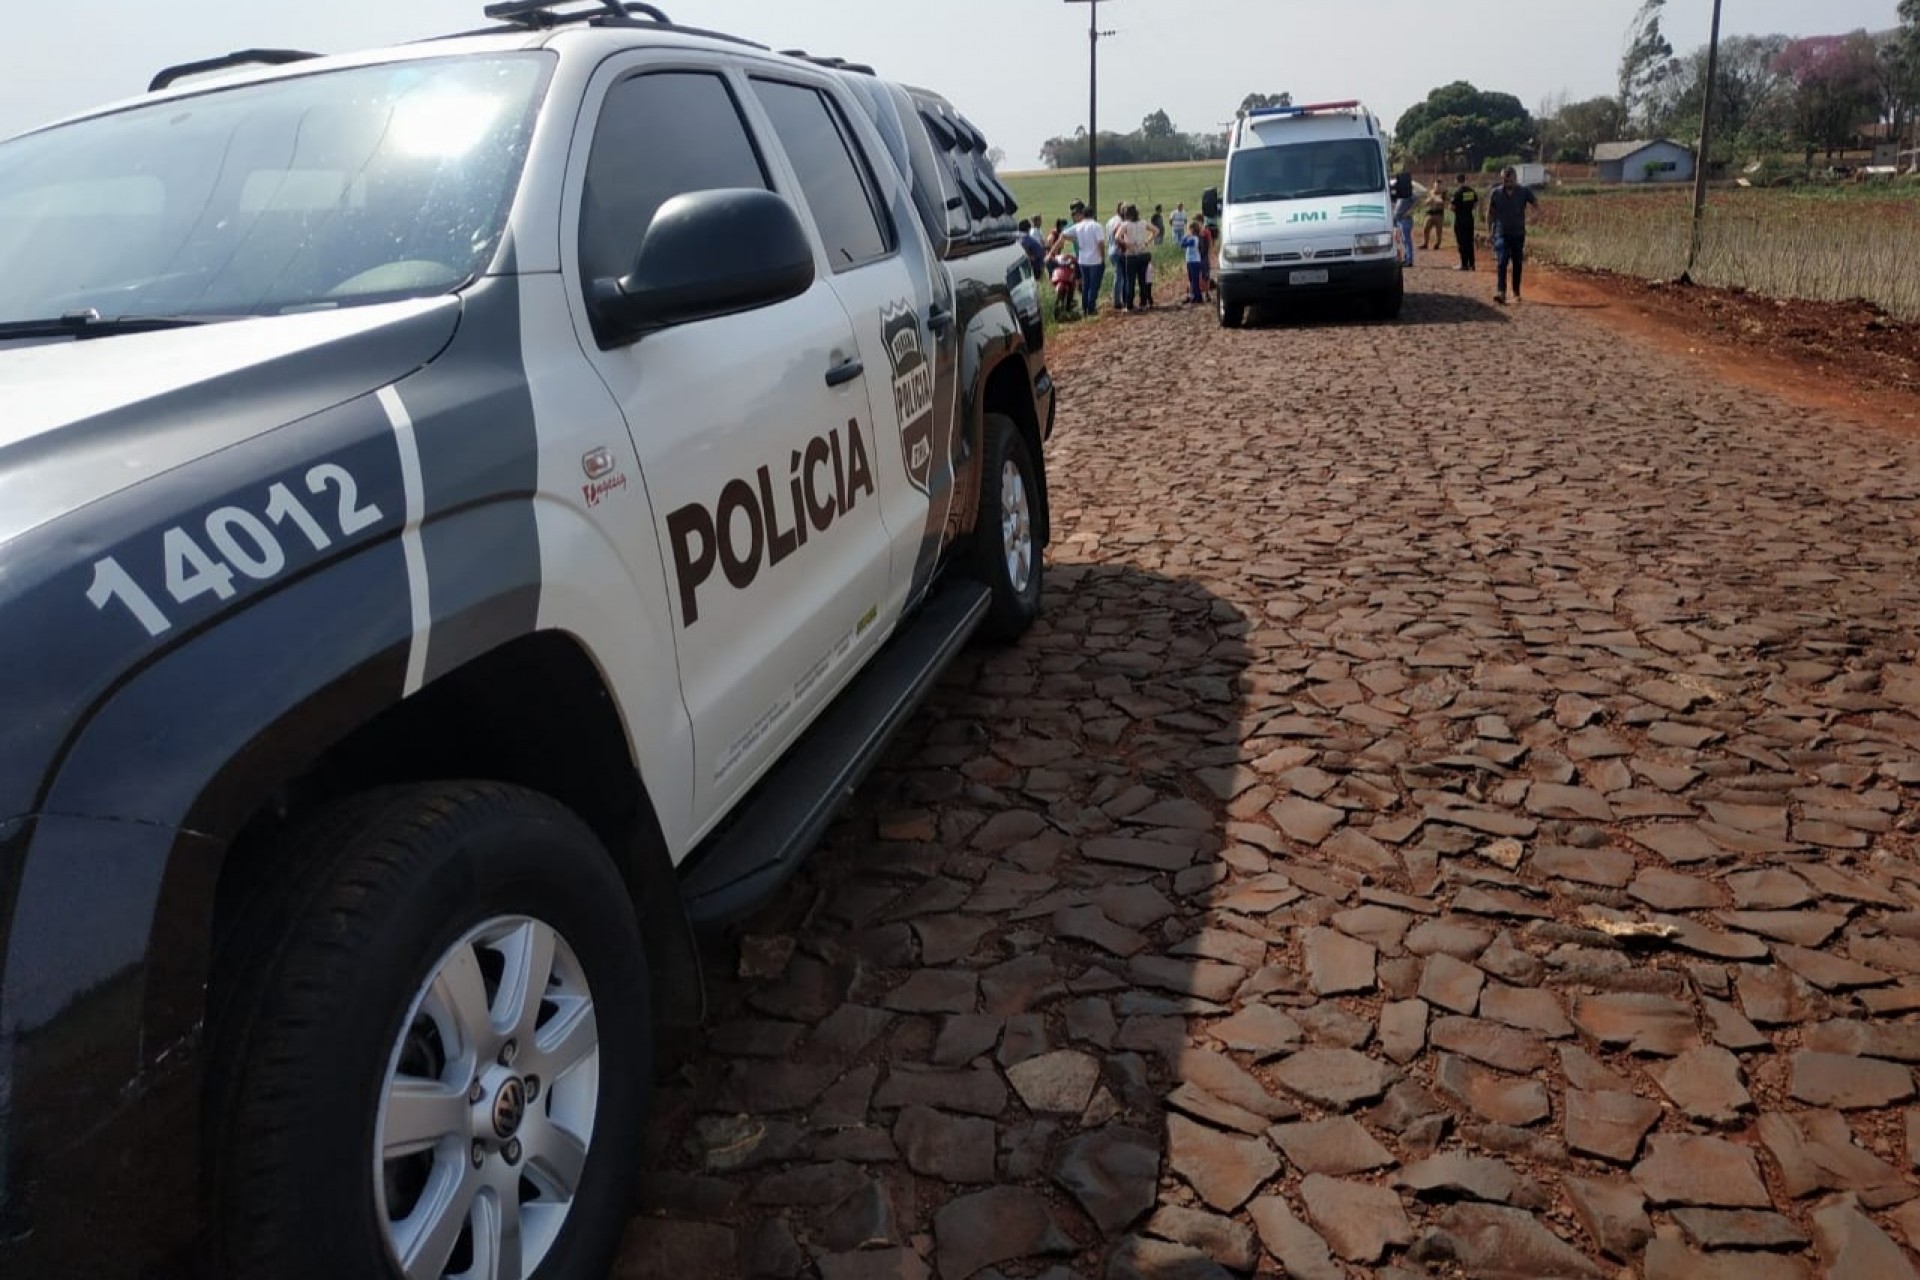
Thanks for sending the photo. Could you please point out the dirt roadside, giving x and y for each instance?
(1839, 356)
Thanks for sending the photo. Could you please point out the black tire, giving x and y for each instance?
(1015, 606)
(387, 885)
(1232, 314)
(1388, 302)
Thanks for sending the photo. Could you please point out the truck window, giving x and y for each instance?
(1306, 171)
(660, 135)
(301, 193)
(834, 178)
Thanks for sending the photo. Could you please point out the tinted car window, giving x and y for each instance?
(660, 136)
(838, 187)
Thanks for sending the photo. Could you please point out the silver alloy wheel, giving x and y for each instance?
(488, 1106)
(1016, 526)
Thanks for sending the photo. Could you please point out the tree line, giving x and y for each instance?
(1156, 141)
(1774, 94)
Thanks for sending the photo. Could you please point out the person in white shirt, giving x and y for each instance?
(1114, 224)
(1092, 242)
(1136, 238)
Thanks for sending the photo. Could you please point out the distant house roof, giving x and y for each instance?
(1610, 151)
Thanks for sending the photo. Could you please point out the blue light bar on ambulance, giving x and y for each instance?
(1267, 112)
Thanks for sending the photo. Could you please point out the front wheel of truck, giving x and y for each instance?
(437, 1059)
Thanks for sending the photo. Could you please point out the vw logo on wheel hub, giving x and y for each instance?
(509, 1108)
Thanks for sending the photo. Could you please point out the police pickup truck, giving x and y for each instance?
(468, 512)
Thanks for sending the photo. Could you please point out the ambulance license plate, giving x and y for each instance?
(1307, 277)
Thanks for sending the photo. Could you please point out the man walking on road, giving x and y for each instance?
(1092, 243)
(1507, 215)
(1466, 203)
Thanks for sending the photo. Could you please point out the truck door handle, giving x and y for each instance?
(939, 318)
(843, 373)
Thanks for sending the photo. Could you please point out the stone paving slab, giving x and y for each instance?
(1456, 816)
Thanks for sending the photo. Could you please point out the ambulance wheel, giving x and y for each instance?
(1232, 314)
(1387, 303)
(1007, 552)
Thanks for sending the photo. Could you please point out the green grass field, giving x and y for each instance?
(1046, 193)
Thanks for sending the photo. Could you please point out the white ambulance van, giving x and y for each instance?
(1306, 213)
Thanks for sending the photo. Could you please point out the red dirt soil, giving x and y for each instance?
(1849, 356)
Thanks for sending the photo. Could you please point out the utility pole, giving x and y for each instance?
(1094, 34)
(1706, 142)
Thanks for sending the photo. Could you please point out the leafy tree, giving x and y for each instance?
(1578, 127)
(1897, 75)
(996, 156)
(1646, 58)
(1752, 103)
(1834, 88)
(1254, 101)
(1158, 125)
(1461, 124)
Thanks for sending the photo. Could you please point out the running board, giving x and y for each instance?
(783, 819)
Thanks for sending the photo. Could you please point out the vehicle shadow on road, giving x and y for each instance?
(1418, 309)
(956, 1028)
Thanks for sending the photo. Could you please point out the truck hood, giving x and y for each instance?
(1337, 217)
(82, 419)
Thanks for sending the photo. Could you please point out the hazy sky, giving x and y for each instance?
(1017, 67)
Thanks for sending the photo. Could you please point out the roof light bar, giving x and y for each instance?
(1259, 113)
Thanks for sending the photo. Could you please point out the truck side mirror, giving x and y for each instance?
(1210, 202)
(707, 254)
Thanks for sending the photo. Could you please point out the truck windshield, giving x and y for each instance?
(312, 192)
(1306, 171)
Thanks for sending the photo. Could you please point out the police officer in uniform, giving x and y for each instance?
(1465, 202)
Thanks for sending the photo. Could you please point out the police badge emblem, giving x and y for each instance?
(912, 391)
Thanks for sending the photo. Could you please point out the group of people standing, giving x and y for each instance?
(1077, 252)
(1507, 207)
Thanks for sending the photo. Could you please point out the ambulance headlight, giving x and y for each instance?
(1373, 242)
(1241, 251)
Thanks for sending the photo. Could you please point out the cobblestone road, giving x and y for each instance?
(1454, 817)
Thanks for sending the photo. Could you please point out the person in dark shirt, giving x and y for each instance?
(1159, 224)
(1466, 204)
(1402, 191)
(1035, 251)
(1507, 217)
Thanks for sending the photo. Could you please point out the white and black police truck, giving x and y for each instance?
(1306, 213)
(468, 512)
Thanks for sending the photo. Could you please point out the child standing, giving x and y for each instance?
(1205, 236)
(1066, 276)
(1191, 243)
